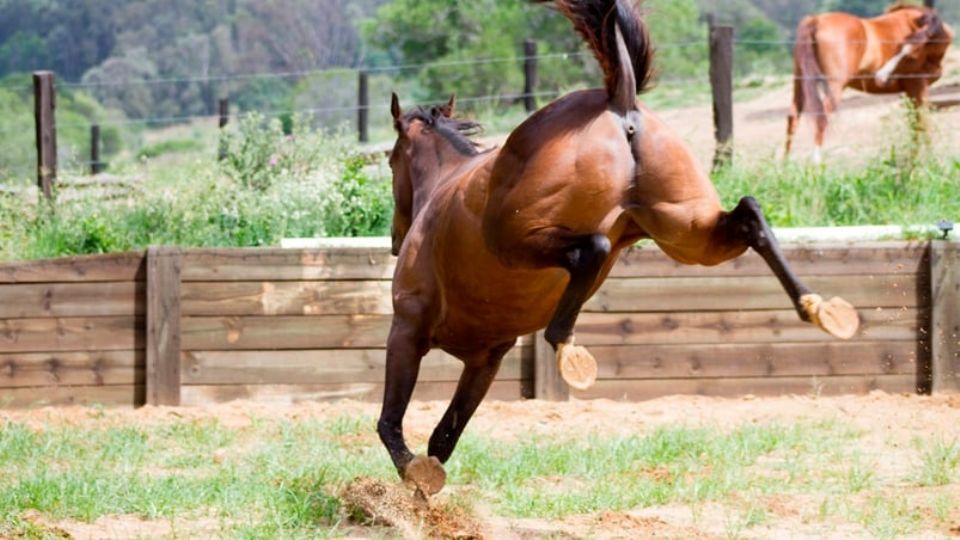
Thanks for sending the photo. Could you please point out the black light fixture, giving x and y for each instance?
(946, 227)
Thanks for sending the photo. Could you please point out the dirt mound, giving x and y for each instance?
(395, 506)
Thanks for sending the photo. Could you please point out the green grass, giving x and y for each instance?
(939, 462)
(312, 184)
(281, 478)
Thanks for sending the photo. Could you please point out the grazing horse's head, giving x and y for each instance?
(429, 142)
(926, 46)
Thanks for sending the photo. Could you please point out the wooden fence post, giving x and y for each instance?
(163, 325)
(529, 75)
(224, 110)
(363, 107)
(930, 3)
(721, 81)
(547, 382)
(44, 99)
(945, 316)
(96, 167)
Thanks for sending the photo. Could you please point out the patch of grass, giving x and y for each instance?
(671, 465)
(939, 461)
(887, 516)
(170, 146)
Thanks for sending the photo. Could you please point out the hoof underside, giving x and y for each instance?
(835, 316)
(426, 474)
(577, 366)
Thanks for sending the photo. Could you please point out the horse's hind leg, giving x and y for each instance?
(405, 349)
(746, 225)
(478, 374)
(584, 260)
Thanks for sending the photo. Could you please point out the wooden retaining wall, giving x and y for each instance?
(202, 326)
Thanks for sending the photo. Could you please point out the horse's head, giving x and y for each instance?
(429, 142)
(928, 42)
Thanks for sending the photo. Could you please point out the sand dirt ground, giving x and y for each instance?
(887, 423)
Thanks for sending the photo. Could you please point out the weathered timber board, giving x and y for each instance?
(641, 389)
(117, 395)
(733, 327)
(424, 391)
(286, 298)
(321, 366)
(286, 264)
(287, 332)
(270, 264)
(862, 258)
(113, 267)
(71, 368)
(746, 293)
(756, 360)
(71, 334)
(22, 301)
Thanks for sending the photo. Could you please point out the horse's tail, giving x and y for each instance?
(618, 36)
(808, 72)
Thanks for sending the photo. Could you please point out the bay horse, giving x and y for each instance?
(498, 244)
(899, 51)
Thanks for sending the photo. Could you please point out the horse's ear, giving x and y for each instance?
(395, 106)
(447, 110)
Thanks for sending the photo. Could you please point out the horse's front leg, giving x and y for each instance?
(405, 348)
(746, 225)
(478, 374)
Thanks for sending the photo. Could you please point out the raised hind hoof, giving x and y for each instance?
(835, 316)
(577, 366)
(426, 474)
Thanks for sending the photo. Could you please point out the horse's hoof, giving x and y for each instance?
(835, 316)
(426, 474)
(577, 366)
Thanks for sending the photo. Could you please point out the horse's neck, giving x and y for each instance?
(445, 172)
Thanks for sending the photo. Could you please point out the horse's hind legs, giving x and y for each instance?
(746, 224)
(584, 260)
(478, 374)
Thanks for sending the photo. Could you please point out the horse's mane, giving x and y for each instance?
(456, 131)
(899, 6)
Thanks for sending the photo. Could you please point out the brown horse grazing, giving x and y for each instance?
(498, 244)
(900, 51)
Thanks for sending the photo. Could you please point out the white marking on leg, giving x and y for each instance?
(817, 155)
(883, 76)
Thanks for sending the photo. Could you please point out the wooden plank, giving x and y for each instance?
(112, 396)
(733, 327)
(370, 331)
(71, 369)
(320, 366)
(424, 391)
(642, 389)
(756, 360)
(286, 264)
(287, 332)
(945, 316)
(286, 298)
(23, 301)
(547, 382)
(88, 268)
(71, 334)
(163, 326)
(743, 293)
(864, 258)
